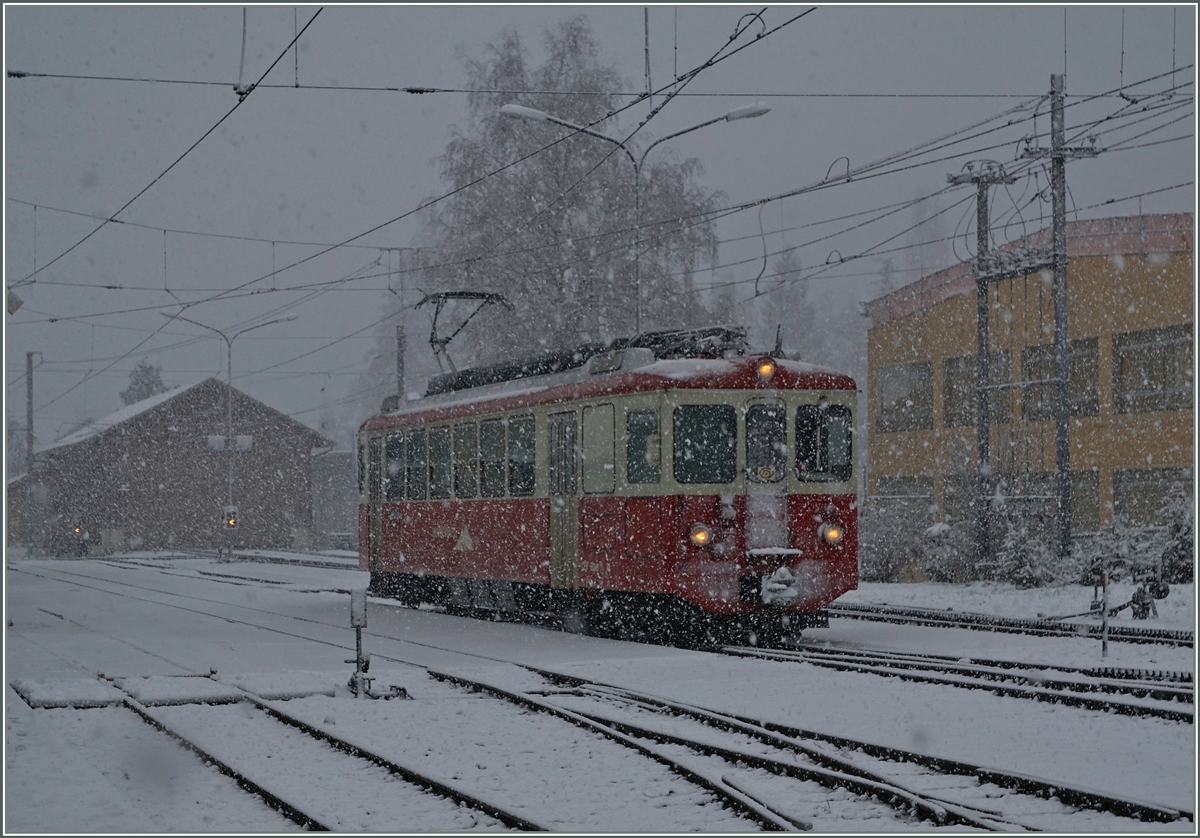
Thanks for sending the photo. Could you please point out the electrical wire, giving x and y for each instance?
(29, 278)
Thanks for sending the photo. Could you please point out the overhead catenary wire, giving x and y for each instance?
(1101, 204)
(28, 279)
(653, 223)
(419, 90)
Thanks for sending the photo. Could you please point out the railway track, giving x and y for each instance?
(1161, 695)
(772, 764)
(1011, 625)
(383, 795)
(736, 773)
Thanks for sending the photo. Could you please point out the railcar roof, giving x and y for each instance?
(577, 384)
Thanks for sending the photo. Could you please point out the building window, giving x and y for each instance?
(958, 393)
(904, 487)
(1139, 495)
(1085, 497)
(904, 397)
(959, 495)
(1152, 370)
(1083, 390)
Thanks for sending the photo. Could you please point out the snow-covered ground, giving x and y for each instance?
(1177, 611)
(279, 628)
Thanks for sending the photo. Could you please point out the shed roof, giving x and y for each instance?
(130, 411)
(1124, 235)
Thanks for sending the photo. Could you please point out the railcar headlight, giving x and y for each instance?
(766, 368)
(701, 535)
(832, 533)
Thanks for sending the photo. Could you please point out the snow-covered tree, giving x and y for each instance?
(145, 380)
(555, 234)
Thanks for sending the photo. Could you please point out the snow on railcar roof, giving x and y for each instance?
(668, 370)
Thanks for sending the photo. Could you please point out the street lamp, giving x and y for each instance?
(229, 339)
(533, 115)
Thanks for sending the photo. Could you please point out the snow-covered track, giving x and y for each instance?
(897, 774)
(727, 793)
(1011, 625)
(276, 802)
(1071, 687)
(193, 728)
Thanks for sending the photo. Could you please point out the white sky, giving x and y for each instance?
(321, 166)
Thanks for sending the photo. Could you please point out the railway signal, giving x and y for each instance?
(231, 518)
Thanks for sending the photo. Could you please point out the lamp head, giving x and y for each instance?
(522, 112)
(748, 111)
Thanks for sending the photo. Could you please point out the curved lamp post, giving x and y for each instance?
(229, 339)
(533, 115)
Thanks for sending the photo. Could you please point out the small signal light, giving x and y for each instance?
(78, 529)
(701, 535)
(832, 533)
(766, 368)
(231, 517)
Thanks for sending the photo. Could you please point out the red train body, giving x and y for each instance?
(629, 496)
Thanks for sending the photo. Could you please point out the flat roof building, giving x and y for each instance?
(1131, 287)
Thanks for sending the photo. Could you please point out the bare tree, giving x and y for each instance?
(555, 233)
(145, 380)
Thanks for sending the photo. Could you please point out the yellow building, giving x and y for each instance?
(1131, 286)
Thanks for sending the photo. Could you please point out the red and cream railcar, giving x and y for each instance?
(631, 496)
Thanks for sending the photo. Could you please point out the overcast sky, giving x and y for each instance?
(293, 169)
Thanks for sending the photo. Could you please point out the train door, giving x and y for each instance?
(766, 475)
(375, 502)
(564, 506)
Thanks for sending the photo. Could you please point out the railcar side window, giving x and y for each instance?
(393, 474)
(417, 465)
(766, 442)
(466, 460)
(439, 462)
(362, 467)
(375, 471)
(643, 447)
(491, 458)
(705, 443)
(521, 456)
(599, 449)
(824, 443)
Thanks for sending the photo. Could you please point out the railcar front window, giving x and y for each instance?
(393, 475)
(824, 443)
(766, 442)
(642, 447)
(705, 444)
(439, 463)
(491, 458)
(521, 456)
(417, 465)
